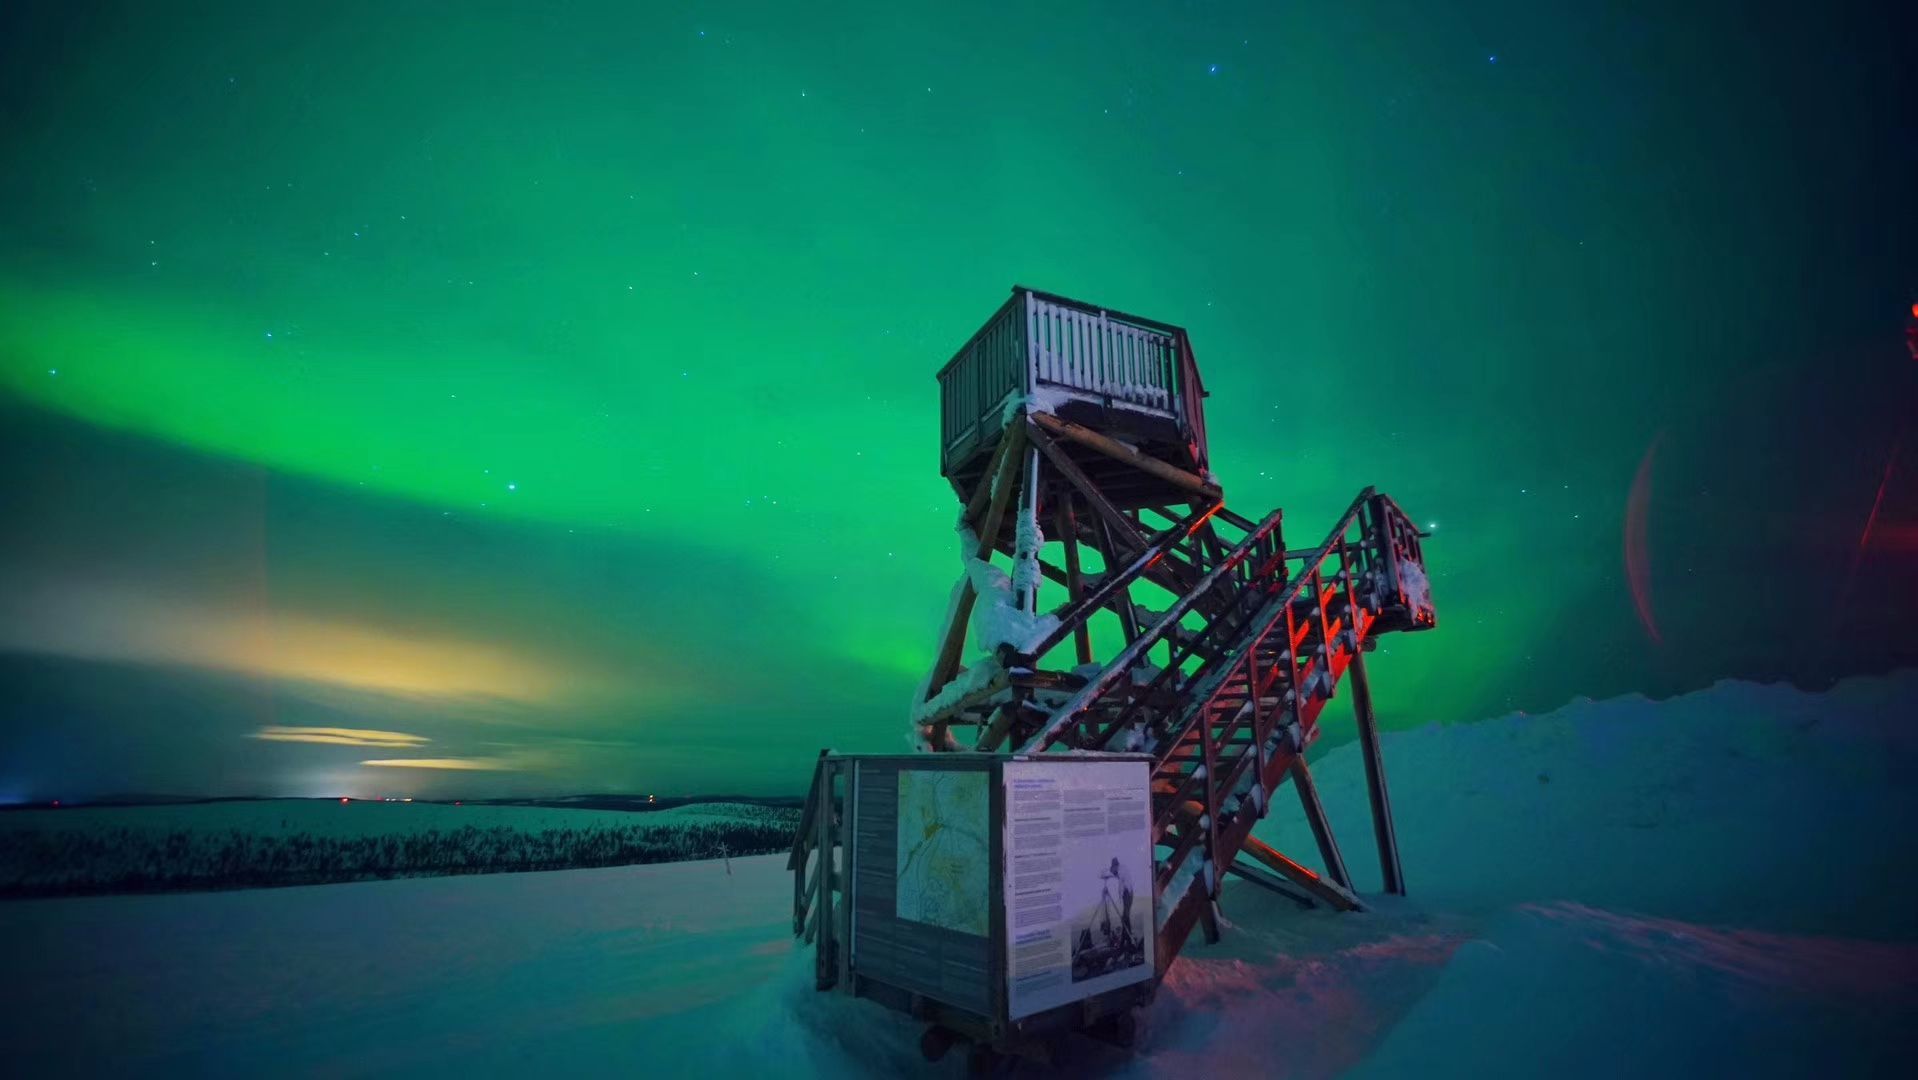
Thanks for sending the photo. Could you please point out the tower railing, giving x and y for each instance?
(1048, 347)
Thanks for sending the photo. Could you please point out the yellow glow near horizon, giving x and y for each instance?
(341, 736)
(109, 622)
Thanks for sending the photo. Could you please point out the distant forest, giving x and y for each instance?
(71, 862)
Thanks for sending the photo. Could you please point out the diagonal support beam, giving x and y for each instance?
(1123, 526)
(1117, 580)
(993, 731)
(976, 502)
(1075, 581)
(1112, 448)
(1271, 883)
(1326, 892)
(997, 486)
(1321, 825)
(1169, 572)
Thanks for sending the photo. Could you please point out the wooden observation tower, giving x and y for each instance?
(1110, 604)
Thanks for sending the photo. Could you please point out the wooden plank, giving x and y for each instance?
(1118, 451)
(1327, 892)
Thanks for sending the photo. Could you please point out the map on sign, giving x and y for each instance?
(943, 874)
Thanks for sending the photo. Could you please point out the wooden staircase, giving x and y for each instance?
(1226, 708)
(1280, 631)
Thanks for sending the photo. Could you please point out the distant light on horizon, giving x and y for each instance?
(455, 764)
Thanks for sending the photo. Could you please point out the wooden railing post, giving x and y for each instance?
(826, 966)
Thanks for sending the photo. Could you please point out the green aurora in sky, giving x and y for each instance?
(550, 387)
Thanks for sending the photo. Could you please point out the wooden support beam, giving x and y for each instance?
(799, 901)
(842, 878)
(1059, 576)
(1326, 892)
(1123, 527)
(826, 963)
(1118, 451)
(1382, 831)
(802, 839)
(1270, 882)
(994, 731)
(1128, 614)
(1114, 584)
(976, 504)
(1166, 573)
(1005, 484)
(812, 876)
(1208, 746)
(998, 485)
(1314, 810)
(1075, 581)
(949, 714)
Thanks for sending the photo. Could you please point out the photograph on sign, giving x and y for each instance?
(1110, 936)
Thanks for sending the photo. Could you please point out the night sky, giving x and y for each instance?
(547, 395)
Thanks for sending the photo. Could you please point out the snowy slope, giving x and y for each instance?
(1713, 885)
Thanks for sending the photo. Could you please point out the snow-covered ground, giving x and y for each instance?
(1717, 885)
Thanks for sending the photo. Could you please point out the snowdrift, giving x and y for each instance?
(1719, 884)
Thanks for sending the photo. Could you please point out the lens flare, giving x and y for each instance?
(1637, 558)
